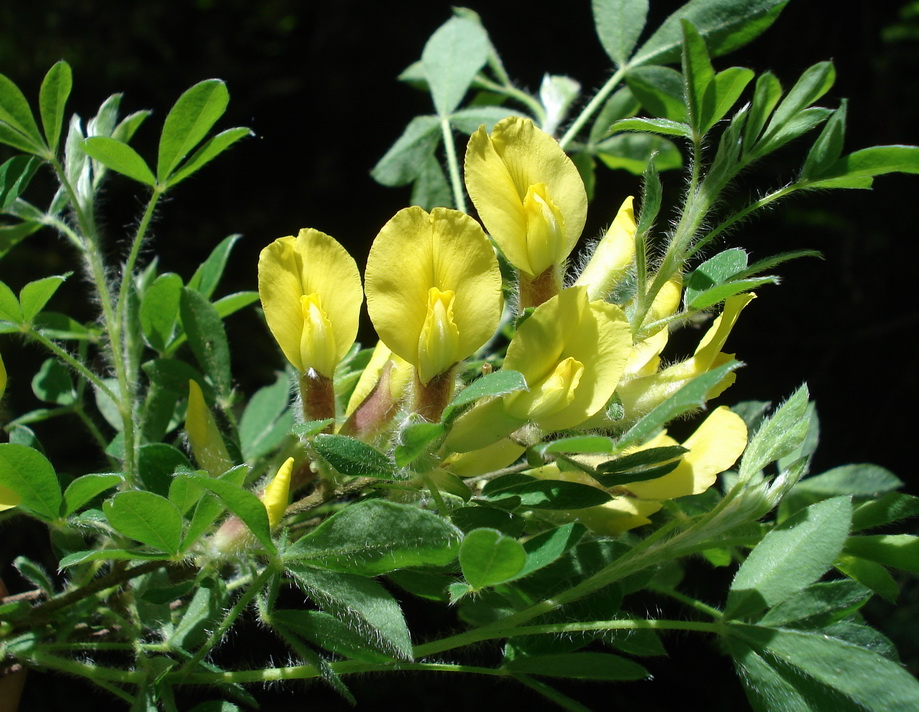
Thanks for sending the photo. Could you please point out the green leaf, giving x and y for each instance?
(619, 24)
(157, 463)
(207, 338)
(487, 557)
(329, 632)
(793, 555)
(766, 95)
(29, 474)
(828, 146)
(652, 193)
(232, 303)
(660, 91)
(21, 131)
(207, 276)
(779, 435)
(715, 270)
(891, 507)
(634, 151)
(660, 126)
(34, 296)
(11, 235)
(689, 397)
(870, 574)
(202, 614)
(452, 57)
(188, 122)
(725, 25)
(185, 493)
(53, 383)
(901, 551)
(159, 310)
(814, 82)
(867, 163)
(85, 488)
(147, 518)
(415, 440)
(533, 493)
(579, 666)
(725, 90)
(549, 546)
(377, 536)
(360, 603)
(15, 175)
(267, 419)
(810, 670)
(9, 305)
(403, 162)
(698, 74)
(83, 557)
(818, 605)
(120, 157)
(212, 148)
(498, 383)
(431, 189)
(717, 294)
(468, 120)
(35, 574)
(352, 457)
(243, 504)
(621, 105)
(863, 480)
(55, 89)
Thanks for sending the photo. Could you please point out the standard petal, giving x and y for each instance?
(316, 267)
(446, 251)
(500, 171)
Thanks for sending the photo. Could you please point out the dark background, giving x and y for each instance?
(317, 84)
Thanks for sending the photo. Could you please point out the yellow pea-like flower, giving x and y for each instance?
(713, 448)
(310, 289)
(528, 193)
(203, 435)
(572, 352)
(433, 288)
(640, 394)
(277, 493)
(613, 256)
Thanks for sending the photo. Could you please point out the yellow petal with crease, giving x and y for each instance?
(523, 186)
(310, 289)
(417, 252)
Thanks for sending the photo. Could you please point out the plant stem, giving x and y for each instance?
(97, 270)
(456, 183)
(111, 579)
(592, 107)
(228, 621)
(72, 362)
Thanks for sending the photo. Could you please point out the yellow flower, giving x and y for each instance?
(310, 289)
(528, 193)
(203, 435)
(433, 288)
(613, 255)
(649, 387)
(277, 493)
(572, 352)
(713, 448)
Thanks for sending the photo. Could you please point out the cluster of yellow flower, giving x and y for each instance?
(435, 297)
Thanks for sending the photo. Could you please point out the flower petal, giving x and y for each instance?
(315, 267)
(445, 250)
(500, 171)
(713, 448)
(613, 256)
(596, 337)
